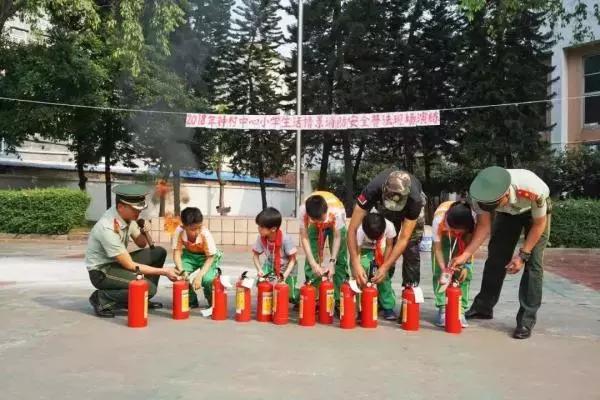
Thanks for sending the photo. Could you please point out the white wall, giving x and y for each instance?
(558, 114)
(244, 201)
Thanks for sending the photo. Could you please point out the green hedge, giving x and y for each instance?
(576, 223)
(42, 211)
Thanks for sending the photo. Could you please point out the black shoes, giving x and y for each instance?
(522, 332)
(155, 305)
(100, 312)
(474, 314)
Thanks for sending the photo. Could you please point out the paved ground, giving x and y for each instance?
(51, 346)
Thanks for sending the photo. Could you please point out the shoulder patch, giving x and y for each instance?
(116, 226)
(362, 199)
(527, 195)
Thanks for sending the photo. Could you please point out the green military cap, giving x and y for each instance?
(490, 185)
(132, 194)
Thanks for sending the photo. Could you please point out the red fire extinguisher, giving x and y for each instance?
(368, 301)
(137, 301)
(219, 299)
(347, 307)
(410, 309)
(242, 300)
(368, 306)
(280, 302)
(326, 300)
(308, 296)
(453, 308)
(181, 298)
(264, 301)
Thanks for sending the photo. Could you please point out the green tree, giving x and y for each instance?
(558, 12)
(508, 66)
(253, 80)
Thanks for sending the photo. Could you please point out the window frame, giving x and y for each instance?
(593, 125)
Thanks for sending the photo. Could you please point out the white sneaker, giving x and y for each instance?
(463, 321)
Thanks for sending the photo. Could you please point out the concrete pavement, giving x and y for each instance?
(52, 346)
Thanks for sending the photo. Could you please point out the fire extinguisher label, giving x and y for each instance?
(302, 300)
(267, 304)
(342, 308)
(240, 301)
(145, 304)
(375, 308)
(185, 300)
(330, 302)
(404, 311)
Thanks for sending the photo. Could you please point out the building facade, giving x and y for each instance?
(576, 110)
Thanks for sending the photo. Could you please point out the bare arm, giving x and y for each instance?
(125, 260)
(177, 260)
(290, 266)
(439, 254)
(337, 241)
(141, 241)
(389, 245)
(353, 249)
(257, 265)
(308, 252)
(357, 217)
(535, 233)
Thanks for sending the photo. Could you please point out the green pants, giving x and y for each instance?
(385, 296)
(291, 280)
(192, 262)
(341, 265)
(506, 230)
(440, 297)
(112, 280)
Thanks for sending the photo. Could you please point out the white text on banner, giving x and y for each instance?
(315, 122)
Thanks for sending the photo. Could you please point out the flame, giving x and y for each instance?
(171, 223)
(162, 188)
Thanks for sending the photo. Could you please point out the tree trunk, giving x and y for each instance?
(7, 10)
(263, 186)
(162, 199)
(176, 191)
(348, 170)
(427, 186)
(359, 155)
(510, 162)
(81, 174)
(107, 177)
(161, 206)
(221, 184)
(327, 146)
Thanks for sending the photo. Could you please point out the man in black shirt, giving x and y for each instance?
(397, 195)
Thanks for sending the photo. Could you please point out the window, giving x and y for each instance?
(591, 88)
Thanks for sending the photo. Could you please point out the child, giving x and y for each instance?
(452, 229)
(279, 248)
(375, 239)
(322, 217)
(194, 249)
